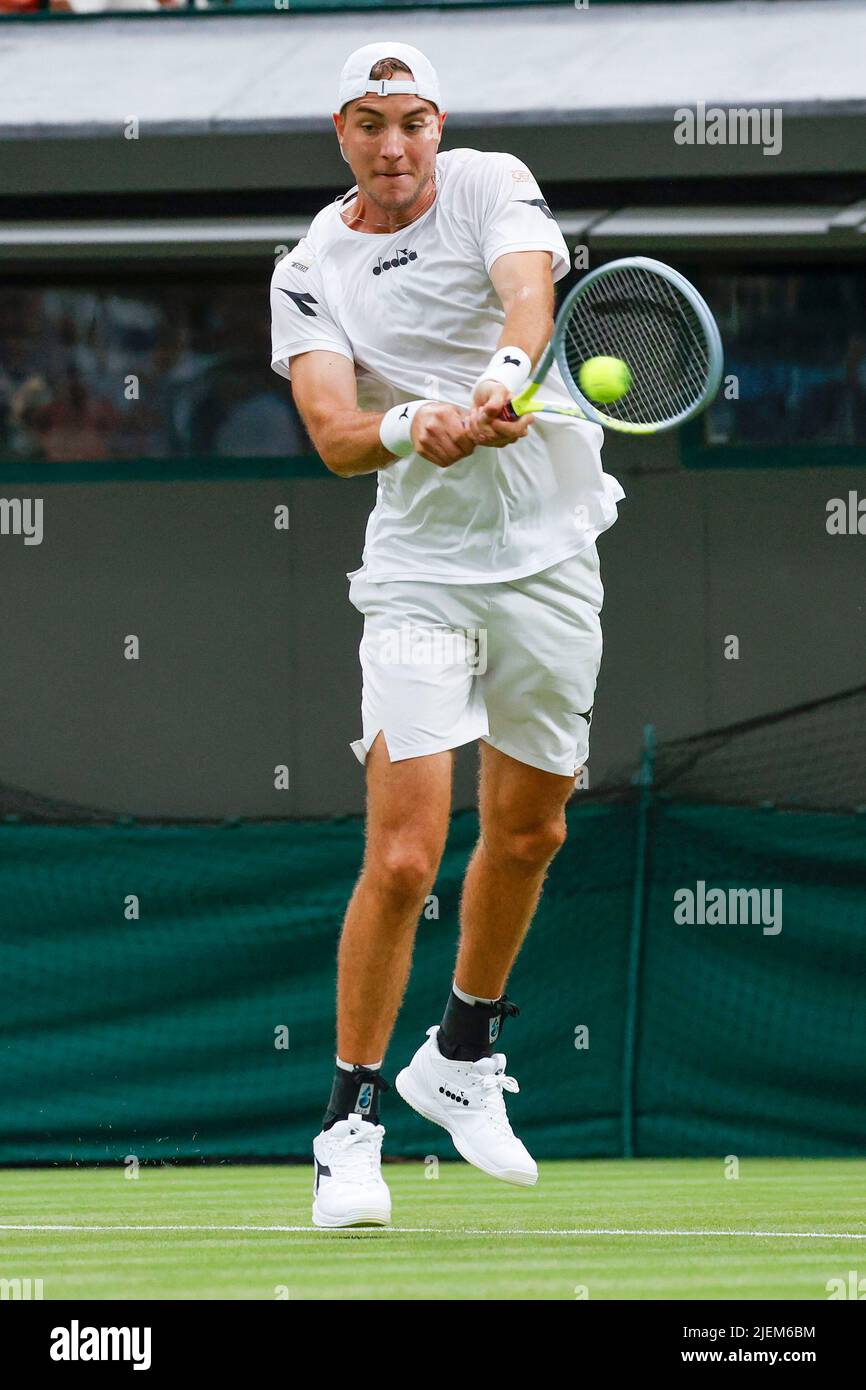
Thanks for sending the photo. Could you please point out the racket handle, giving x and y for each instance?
(506, 413)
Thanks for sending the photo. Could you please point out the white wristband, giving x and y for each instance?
(395, 431)
(510, 366)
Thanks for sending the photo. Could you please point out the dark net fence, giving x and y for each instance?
(809, 757)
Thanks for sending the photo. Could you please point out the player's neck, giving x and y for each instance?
(363, 216)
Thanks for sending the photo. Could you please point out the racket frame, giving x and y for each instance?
(526, 402)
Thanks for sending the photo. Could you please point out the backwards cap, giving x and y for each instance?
(355, 80)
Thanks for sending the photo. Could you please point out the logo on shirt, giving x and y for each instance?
(538, 203)
(303, 302)
(399, 258)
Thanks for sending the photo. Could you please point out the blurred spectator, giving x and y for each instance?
(27, 419)
(76, 425)
(114, 6)
(796, 343)
(165, 372)
(96, 6)
(834, 411)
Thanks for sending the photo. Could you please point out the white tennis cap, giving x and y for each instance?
(355, 80)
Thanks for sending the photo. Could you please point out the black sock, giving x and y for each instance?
(468, 1031)
(355, 1092)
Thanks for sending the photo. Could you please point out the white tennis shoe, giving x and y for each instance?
(466, 1099)
(348, 1189)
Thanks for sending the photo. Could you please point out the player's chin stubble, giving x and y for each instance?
(406, 201)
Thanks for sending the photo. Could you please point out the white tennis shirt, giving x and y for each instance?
(417, 313)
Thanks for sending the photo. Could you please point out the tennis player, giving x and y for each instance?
(411, 312)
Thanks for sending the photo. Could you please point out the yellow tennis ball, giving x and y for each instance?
(604, 379)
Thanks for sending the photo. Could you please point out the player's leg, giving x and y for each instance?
(419, 702)
(522, 827)
(408, 807)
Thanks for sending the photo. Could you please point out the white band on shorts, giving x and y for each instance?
(510, 366)
(395, 431)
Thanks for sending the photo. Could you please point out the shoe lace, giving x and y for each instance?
(357, 1155)
(491, 1087)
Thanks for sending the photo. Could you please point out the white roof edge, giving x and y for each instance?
(279, 71)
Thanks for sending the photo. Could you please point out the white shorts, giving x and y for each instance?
(512, 662)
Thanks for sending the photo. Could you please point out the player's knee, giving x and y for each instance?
(404, 872)
(533, 846)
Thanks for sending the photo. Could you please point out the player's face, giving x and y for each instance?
(391, 143)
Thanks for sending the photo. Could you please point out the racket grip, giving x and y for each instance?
(506, 413)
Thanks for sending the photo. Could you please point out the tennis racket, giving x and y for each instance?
(654, 320)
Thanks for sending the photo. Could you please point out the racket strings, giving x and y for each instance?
(636, 315)
(636, 328)
(641, 315)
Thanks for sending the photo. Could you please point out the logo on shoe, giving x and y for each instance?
(460, 1099)
(322, 1171)
(365, 1098)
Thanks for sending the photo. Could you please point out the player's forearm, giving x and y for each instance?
(528, 321)
(348, 443)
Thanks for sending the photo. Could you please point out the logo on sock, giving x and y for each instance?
(365, 1098)
(493, 1031)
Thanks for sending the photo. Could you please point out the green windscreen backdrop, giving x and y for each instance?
(152, 975)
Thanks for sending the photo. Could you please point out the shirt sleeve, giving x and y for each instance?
(300, 318)
(514, 215)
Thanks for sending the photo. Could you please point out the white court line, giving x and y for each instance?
(464, 1231)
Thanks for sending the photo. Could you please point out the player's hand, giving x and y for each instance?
(439, 434)
(483, 423)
